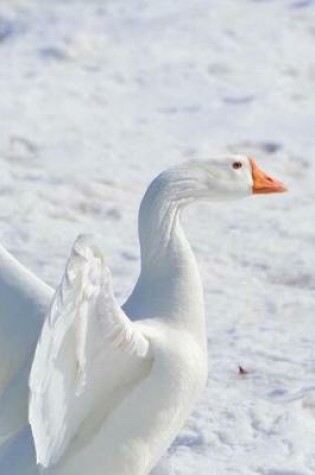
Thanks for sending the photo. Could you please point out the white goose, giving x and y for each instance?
(110, 386)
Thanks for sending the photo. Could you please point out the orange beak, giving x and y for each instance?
(262, 183)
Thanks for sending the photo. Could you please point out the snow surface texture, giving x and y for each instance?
(96, 98)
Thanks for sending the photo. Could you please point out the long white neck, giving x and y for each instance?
(169, 285)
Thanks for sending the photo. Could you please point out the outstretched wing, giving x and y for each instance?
(24, 302)
(88, 350)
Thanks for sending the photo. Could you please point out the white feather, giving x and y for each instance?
(24, 301)
(86, 333)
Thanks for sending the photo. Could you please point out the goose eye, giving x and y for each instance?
(237, 165)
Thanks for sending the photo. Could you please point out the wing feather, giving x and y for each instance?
(87, 350)
(24, 301)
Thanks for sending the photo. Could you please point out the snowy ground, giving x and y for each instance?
(96, 98)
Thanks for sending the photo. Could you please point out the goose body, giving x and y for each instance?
(111, 386)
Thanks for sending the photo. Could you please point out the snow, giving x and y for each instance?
(96, 98)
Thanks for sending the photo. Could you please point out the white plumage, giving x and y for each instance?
(24, 302)
(85, 339)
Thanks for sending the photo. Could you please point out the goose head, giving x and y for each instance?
(216, 179)
(219, 179)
